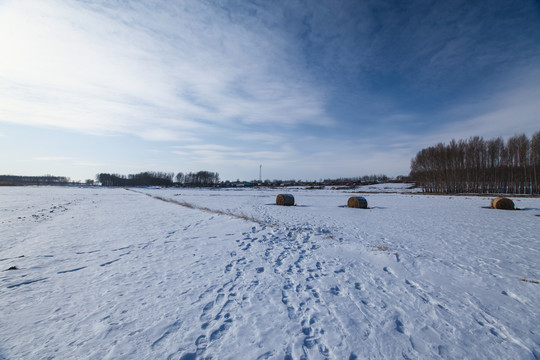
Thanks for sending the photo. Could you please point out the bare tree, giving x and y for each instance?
(480, 166)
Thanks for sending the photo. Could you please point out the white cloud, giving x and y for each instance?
(209, 147)
(67, 160)
(161, 74)
(262, 138)
(88, 164)
(53, 158)
(159, 134)
(508, 114)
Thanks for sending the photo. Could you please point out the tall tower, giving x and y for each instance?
(260, 173)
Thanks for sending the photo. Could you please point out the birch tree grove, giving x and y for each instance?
(480, 166)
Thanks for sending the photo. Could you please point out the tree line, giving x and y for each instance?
(33, 180)
(151, 178)
(480, 166)
(200, 178)
(147, 178)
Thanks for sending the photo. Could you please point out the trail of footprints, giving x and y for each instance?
(302, 295)
(287, 254)
(217, 315)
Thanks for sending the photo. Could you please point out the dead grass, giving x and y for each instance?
(386, 249)
(7, 183)
(530, 281)
(203, 208)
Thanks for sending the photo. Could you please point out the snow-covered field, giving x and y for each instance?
(117, 274)
(389, 188)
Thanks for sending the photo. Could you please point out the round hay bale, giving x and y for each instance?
(357, 202)
(285, 200)
(502, 203)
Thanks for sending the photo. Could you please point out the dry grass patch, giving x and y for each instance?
(386, 249)
(530, 281)
(203, 208)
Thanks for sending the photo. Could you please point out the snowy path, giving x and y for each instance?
(118, 274)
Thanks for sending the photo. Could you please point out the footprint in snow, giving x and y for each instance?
(399, 325)
(389, 271)
(219, 297)
(201, 344)
(189, 356)
(220, 332)
(266, 355)
(204, 316)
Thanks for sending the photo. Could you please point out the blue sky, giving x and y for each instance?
(309, 89)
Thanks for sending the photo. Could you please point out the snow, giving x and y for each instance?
(118, 274)
(390, 188)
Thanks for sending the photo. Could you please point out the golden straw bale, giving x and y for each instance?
(285, 200)
(502, 203)
(357, 202)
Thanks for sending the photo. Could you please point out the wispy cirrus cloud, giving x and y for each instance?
(53, 158)
(175, 68)
(417, 57)
(67, 159)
